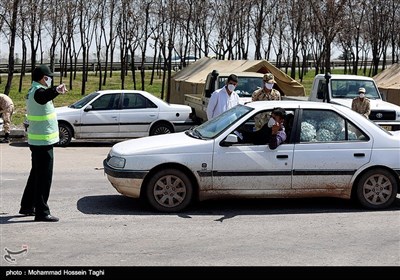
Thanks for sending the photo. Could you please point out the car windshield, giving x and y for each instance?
(217, 125)
(349, 89)
(246, 85)
(82, 102)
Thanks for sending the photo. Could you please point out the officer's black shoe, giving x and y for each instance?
(27, 212)
(47, 218)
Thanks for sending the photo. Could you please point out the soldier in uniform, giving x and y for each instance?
(267, 92)
(361, 104)
(6, 109)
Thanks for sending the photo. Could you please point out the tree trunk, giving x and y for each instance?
(11, 62)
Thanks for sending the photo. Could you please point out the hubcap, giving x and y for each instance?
(63, 135)
(169, 191)
(162, 130)
(377, 189)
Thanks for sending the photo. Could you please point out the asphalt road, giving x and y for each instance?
(100, 227)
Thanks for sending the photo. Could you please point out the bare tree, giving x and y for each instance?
(11, 20)
(243, 28)
(296, 27)
(55, 27)
(258, 19)
(71, 24)
(122, 31)
(86, 28)
(146, 34)
(394, 34)
(21, 31)
(203, 27)
(100, 20)
(329, 15)
(35, 21)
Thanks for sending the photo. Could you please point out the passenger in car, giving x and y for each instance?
(278, 134)
(271, 133)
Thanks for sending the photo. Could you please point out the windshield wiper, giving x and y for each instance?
(194, 133)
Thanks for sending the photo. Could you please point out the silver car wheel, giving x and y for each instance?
(169, 190)
(377, 189)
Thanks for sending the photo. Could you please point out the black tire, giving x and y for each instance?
(376, 189)
(65, 134)
(161, 128)
(169, 190)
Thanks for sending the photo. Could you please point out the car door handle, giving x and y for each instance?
(152, 115)
(359, 155)
(282, 156)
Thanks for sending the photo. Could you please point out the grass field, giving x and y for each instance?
(92, 84)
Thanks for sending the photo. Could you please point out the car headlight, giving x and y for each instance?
(117, 162)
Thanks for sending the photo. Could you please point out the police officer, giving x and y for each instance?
(42, 135)
(7, 109)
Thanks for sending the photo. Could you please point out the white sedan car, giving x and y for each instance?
(120, 114)
(330, 151)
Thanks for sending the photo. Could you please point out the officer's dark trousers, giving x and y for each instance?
(37, 188)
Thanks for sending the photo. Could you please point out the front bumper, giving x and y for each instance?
(126, 182)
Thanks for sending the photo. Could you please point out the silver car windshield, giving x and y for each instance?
(217, 125)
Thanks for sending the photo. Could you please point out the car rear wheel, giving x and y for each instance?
(161, 128)
(169, 190)
(65, 134)
(377, 189)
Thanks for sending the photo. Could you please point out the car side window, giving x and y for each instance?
(136, 101)
(328, 126)
(106, 102)
(250, 133)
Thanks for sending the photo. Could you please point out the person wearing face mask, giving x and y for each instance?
(361, 104)
(272, 133)
(267, 92)
(224, 98)
(278, 134)
(42, 135)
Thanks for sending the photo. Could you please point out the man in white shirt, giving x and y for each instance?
(224, 98)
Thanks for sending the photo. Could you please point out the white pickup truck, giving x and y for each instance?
(341, 89)
(248, 83)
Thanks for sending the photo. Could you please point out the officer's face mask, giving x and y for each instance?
(269, 86)
(48, 81)
(362, 95)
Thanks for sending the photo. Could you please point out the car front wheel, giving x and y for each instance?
(65, 134)
(169, 190)
(377, 189)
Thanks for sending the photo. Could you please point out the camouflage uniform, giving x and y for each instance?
(7, 109)
(260, 95)
(362, 106)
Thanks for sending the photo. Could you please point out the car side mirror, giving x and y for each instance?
(230, 140)
(88, 108)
